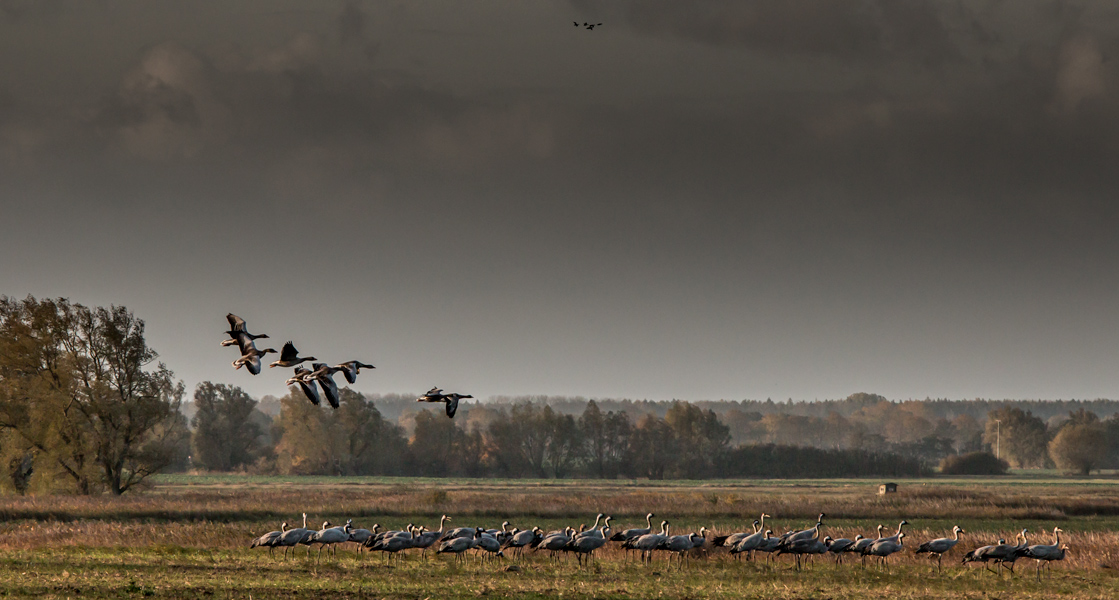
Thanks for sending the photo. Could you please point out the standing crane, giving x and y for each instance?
(1047, 552)
(940, 545)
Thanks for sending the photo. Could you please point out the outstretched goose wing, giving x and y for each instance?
(235, 323)
(289, 353)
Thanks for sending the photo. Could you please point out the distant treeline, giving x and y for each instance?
(527, 438)
(85, 407)
(394, 406)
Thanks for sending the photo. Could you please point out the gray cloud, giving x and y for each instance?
(807, 177)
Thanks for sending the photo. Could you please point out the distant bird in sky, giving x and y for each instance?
(289, 357)
(307, 384)
(591, 25)
(350, 369)
(436, 395)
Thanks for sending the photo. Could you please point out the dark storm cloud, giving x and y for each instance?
(285, 101)
(689, 176)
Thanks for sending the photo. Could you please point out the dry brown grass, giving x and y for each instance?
(191, 540)
(487, 499)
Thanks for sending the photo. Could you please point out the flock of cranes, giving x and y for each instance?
(583, 542)
(319, 376)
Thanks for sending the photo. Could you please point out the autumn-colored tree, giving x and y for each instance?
(701, 440)
(351, 440)
(18, 460)
(225, 437)
(436, 445)
(1081, 444)
(364, 443)
(534, 441)
(1019, 436)
(82, 388)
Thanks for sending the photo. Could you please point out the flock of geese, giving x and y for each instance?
(492, 543)
(319, 376)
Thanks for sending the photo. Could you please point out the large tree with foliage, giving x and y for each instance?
(81, 387)
(437, 445)
(606, 436)
(352, 440)
(1081, 444)
(1018, 435)
(653, 448)
(534, 441)
(225, 436)
(701, 440)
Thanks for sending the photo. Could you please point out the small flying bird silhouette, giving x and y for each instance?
(289, 357)
(591, 25)
(436, 395)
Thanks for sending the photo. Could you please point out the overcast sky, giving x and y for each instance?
(696, 200)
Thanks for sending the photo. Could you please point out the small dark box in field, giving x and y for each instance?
(887, 488)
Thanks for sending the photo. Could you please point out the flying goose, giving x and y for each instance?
(238, 334)
(436, 395)
(251, 359)
(307, 384)
(289, 357)
(350, 369)
(324, 374)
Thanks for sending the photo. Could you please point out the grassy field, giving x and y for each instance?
(187, 537)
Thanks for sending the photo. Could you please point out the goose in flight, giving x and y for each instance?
(351, 368)
(436, 395)
(307, 384)
(324, 374)
(251, 359)
(238, 334)
(289, 357)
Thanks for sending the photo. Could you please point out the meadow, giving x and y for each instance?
(187, 537)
